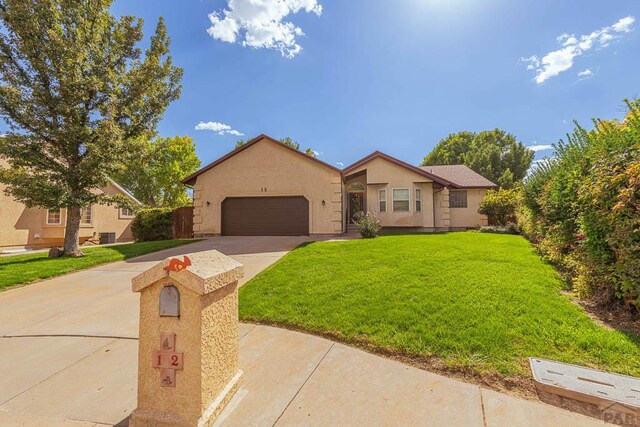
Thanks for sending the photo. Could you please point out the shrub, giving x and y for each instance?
(582, 209)
(510, 228)
(500, 205)
(368, 225)
(153, 224)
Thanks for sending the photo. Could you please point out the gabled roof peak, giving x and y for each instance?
(379, 154)
(191, 179)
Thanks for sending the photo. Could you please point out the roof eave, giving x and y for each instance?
(398, 162)
(123, 190)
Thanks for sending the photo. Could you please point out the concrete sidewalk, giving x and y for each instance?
(290, 379)
(68, 351)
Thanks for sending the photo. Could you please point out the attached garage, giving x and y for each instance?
(266, 188)
(265, 216)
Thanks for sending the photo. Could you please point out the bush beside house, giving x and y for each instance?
(582, 209)
(153, 224)
(368, 225)
(500, 205)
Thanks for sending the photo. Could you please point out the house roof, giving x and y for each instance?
(191, 179)
(460, 175)
(125, 192)
(381, 155)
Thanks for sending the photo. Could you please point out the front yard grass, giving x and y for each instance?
(21, 269)
(465, 302)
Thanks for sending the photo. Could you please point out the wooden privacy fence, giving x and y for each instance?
(183, 222)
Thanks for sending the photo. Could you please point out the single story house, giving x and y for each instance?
(267, 188)
(37, 228)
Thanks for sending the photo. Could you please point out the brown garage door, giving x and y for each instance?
(265, 216)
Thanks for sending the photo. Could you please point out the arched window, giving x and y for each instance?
(356, 187)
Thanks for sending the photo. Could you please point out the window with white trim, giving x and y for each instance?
(418, 200)
(401, 199)
(54, 217)
(382, 200)
(457, 199)
(86, 215)
(126, 213)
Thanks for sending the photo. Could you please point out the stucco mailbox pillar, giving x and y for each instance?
(188, 342)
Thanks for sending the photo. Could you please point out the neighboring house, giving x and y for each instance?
(22, 227)
(267, 188)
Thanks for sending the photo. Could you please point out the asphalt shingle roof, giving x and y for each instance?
(460, 175)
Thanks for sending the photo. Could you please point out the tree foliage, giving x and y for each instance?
(500, 204)
(76, 92)
(582, 208)
(152, 224)
(154, 177)
(494, 154)
(288, 142)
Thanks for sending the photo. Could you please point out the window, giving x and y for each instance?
(86, 215)
(126, 213)
(54, 217)
(418, 200)
(382, 200)
(356, 187)
(458, 199)
(401, 199)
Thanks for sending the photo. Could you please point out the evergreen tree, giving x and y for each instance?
(76, 92)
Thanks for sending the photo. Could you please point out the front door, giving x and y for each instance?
(356, 204)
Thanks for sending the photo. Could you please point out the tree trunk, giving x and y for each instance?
(72, 233)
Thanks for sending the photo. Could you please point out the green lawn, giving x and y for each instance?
(21, 269)
(474, 302)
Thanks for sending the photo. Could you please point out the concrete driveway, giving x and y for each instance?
(85, 325)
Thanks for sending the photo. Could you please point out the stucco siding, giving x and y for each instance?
(381, 174)
(27, 227)
(469, 216)
(269, 169)
(441, 209)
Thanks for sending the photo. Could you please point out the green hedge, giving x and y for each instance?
(153, 224)
(582, 209)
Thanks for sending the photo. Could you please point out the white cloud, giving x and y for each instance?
(585, 74)
(540, 147)
(316, 153)
(260, 24)
(571, 47)
(624, 25)
(340, 164)
(219, 128)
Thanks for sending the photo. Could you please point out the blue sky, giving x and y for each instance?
(395, 76)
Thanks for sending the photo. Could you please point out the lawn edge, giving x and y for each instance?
(32, 282)
(516, 385)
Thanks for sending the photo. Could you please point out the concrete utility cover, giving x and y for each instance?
(584, 384)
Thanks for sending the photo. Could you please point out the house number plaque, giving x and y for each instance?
(167, 360)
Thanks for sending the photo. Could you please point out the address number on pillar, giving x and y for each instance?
(167, 360)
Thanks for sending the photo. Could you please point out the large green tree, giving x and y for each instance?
(494, 154)
(76, 92)
(154, 177)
